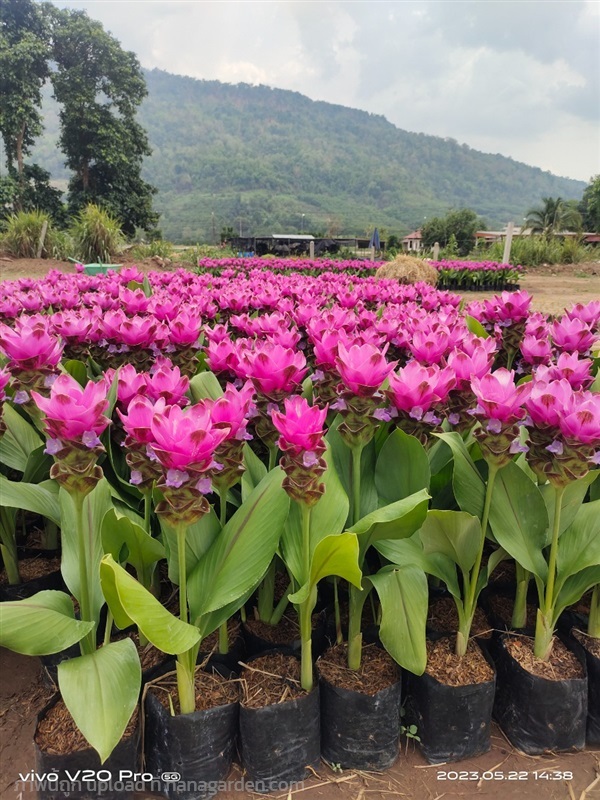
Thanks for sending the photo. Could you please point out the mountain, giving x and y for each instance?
(265, 160)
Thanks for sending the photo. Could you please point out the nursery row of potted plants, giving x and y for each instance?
(338, 457)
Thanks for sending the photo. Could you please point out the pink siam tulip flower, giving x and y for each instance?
(130, 383)
(508, 307)
(138, 332)
(74, 414)
(232, 411)
(589, 313)
(137, 422)
(4, 381)
(572, 335)
(581, 422)
(129, 274)
(274, 369)
(363, 368)
(184, 330)
(467, 366)
(30, 346)
(301, 429)
(184, 441)
(548, 401)
(568, 365)
(168, 382)
(415, 389)
(499, 401)
(133, 301)
(429, 347)
(535, 350)
(223, 356)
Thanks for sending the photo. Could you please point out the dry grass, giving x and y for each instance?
(407, 269)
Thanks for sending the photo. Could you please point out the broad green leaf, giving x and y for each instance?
(402, 468)
(19, 440)
(455, 534)
(119, 531)
(497, 557)
(95, 506)
(77, 370)
(404, 595)
(198, 539)
(241, 553)
(438, 455)
(342, 459)
(572, 499)
(255, 471)
(469, 486)
(410, 552)
(476, 327)
(519, 520)
(574, 588)
(38, 466)
(327, 517)
(42, 624)
(579, 546)
(205, 386)
(334, 555)
(31, 497)
(101, 692)
(211, 621)
(131, 603)
(394, 521)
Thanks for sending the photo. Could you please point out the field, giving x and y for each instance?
(501, 773)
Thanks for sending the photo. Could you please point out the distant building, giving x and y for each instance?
(296, 244)
(413, 242)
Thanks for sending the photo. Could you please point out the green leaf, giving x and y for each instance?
(76, 369)
(519, 520)
(240, 555)
(38, 466)
(404, 595)
(410, 552)
(20, 439)
(42, 624)
(469, 486)
(131, 603)
(579, 546)
(455, 534)
(327, 517)
(205, 386)
(31, 497)
(95, 506)
(573, 497)
(394, 521)
(574, 588)
(476, 327)
(402, 468)
(119, 532)
(198, 539)
(333, 555)
(101, 692)
(342, 460)
(255, 471)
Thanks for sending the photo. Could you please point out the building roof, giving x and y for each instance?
(303, 237)
(413, 235)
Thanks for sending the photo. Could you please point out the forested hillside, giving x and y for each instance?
(266, 160)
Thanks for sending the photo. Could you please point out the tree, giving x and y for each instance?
(460, 224)
(589, 207)
(100, 87)
(553, 216)
(24, 69)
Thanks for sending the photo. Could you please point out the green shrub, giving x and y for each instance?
(157, 247)
(97, 235)
(22, 234)
(530, 251)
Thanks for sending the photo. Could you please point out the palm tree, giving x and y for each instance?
(553, 216)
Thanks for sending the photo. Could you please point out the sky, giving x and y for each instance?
(515, 77)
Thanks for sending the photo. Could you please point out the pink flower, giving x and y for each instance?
(4, 381)
(137, 422)
(129, 384)
(185, 439)
(30, 346)
(168, 382)
(222, 356)
(231, 411)
(498, 399)
(273, 368)
(301, 429)
(184, 330)
(429, 347)
(572, 335)
(467, 366)
(576, 370)
(74, 413)
(582, 420)
(414, 389)
(363, 368)
(536, 351)
(548, 401)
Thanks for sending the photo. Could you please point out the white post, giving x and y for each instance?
(508, 242)
(42, 239)
(436, 251)
(311, 249)
(372, 249)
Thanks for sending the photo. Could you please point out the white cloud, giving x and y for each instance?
(518, 78)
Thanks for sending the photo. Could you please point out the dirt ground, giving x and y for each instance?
(501, 774)
(553, 287)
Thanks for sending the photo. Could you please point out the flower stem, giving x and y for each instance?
(272, 456)
(544, 629)
(519, 616)
(306, 666)
(594, 618)
(223, 630)
(339, 638)
(88, 643)
(148, 511)
(471, 594)
(356, 458)
(181, 561)
(357, 597)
